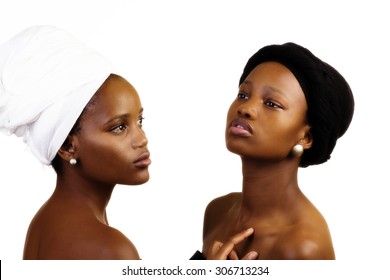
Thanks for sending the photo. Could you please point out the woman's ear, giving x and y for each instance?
(307, 140)
(68, 150)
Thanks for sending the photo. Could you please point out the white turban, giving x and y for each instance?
(47, 77)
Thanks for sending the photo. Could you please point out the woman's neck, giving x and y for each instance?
(269, 189)
(93, 195)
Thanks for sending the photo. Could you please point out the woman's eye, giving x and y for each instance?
(241, 95)
(140, 121)
(272, 104)
(119, 129)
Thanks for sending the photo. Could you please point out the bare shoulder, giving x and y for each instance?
(306, 241)
(217, 209)
(77, 240)
(220, 204)
(100, 242)
(116, 246)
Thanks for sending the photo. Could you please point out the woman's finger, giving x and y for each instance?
(221, 251)
(251, 256)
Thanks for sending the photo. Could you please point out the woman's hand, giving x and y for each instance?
(224, 251)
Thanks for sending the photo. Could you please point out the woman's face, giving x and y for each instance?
(111, 146)
(268, 117)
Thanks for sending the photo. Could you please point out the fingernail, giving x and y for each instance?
(252, 255)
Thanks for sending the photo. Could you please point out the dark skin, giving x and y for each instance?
(271, 218)
(110, 148)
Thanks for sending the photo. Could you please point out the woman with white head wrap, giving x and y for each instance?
(63, 99)
(44, 72)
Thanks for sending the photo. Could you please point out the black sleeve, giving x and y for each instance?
(197, 256)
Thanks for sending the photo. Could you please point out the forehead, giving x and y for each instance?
(272, 71)
(275, 75)
(116, 96)
(118, 92)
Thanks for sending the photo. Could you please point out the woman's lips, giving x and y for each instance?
(239, 127)
(143, 161)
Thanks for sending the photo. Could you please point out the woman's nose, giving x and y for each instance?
(247, 110)
(141, 140)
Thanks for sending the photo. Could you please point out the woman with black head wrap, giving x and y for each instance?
(290, 110)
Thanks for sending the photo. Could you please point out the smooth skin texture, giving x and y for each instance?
(265, 121)
(110, 148)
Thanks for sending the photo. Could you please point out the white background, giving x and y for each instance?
(185, 59)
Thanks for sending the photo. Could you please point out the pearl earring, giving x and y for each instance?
(73, 161)
(297, 150)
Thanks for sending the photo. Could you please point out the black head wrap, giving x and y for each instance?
(329, 98)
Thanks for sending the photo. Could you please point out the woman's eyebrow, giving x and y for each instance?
(273, 89)
(122, 116)
(267, 87)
